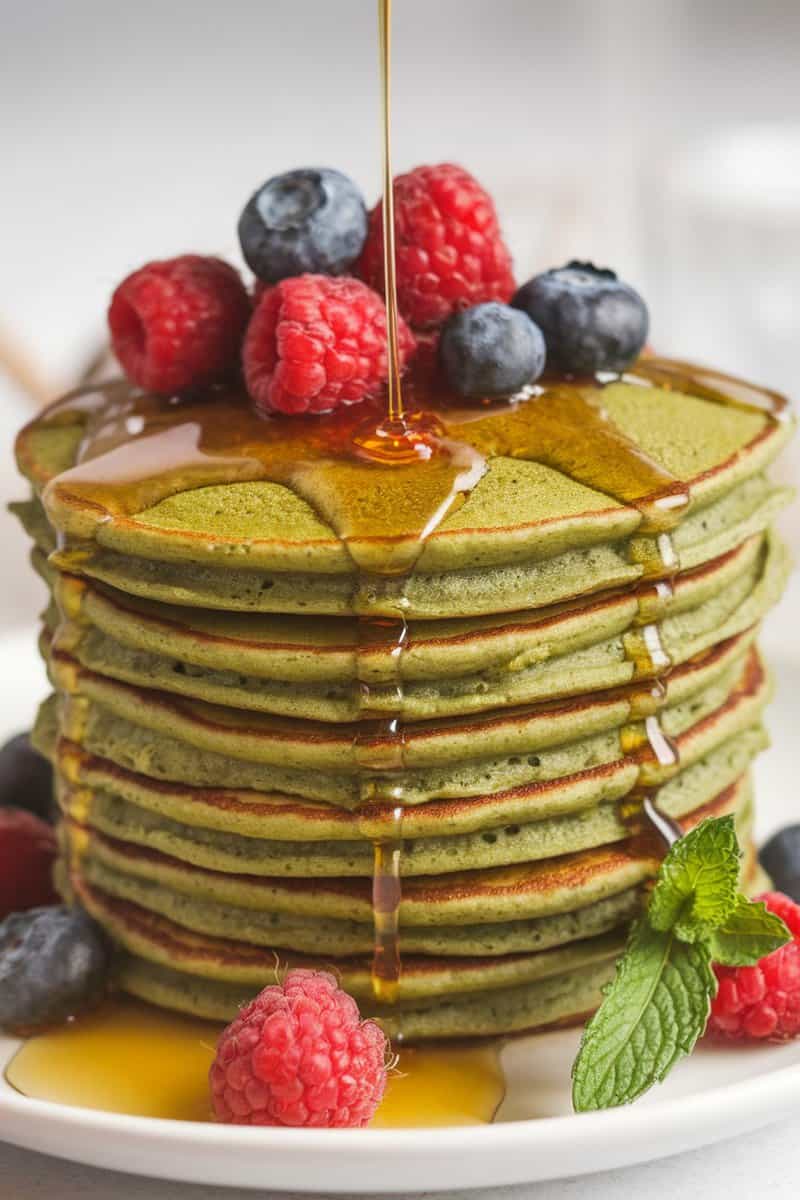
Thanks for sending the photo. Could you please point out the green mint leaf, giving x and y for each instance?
(749, 932)
(653, 1013)
(698, 881)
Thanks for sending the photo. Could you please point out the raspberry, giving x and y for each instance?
(754, 1003)
(299, 1054)
(178, 323)
(315, 343)
(27, 852)
(450, 254)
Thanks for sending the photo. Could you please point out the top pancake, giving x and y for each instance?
(527, 534)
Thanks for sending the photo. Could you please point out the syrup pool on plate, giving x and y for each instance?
(132, 1058)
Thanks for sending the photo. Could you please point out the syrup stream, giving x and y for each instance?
(388, 846)
(394, 395)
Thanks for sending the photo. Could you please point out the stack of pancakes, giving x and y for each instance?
(207, 734)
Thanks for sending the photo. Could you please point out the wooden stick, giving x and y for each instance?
(16, 364)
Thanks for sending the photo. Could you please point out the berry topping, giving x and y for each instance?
(27, 853)
(762, 1002)
(53, 965)
(311, 220)
(178, 323)
(26, 778)
(449, 251)
(591, 321)
(491, 350)
(780, 858)
(315, 343)
(299, 1054)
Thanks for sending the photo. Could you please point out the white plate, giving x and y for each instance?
(715, 1094)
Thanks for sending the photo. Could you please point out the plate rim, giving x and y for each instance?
(414, 1159)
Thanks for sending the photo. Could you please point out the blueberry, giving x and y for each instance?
(26, 778)
(491, 350)
(313, 219)
(53, 964)
(780, 858)
(591, 321)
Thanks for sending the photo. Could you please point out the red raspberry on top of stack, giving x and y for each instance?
(316, 342)
(178, 322)
(450, 253)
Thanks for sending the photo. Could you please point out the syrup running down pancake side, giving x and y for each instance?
(138, 449)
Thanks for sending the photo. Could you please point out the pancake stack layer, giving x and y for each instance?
(399, 721)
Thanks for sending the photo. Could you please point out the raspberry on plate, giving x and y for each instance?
(27, 853)
(299, 1054)
(762, 1002)
(450, 254)
(179, 322)
(315, 343)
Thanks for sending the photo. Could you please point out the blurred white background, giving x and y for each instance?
(661, 137)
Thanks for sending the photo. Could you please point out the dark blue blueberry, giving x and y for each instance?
(53, 964)
(780, 858)
(591, 321)
(491, 350)
(313, 219)
(26, 778)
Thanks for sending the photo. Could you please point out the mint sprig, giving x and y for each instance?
(653, 1013)
(658, 1003)
(750, 931)
(698, 881)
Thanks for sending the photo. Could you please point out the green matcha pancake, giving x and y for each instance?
(307, 651)
(737, 602)
(569, 493)
(597, 879)
(212, 976)
(209, 745)
(213, 903)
